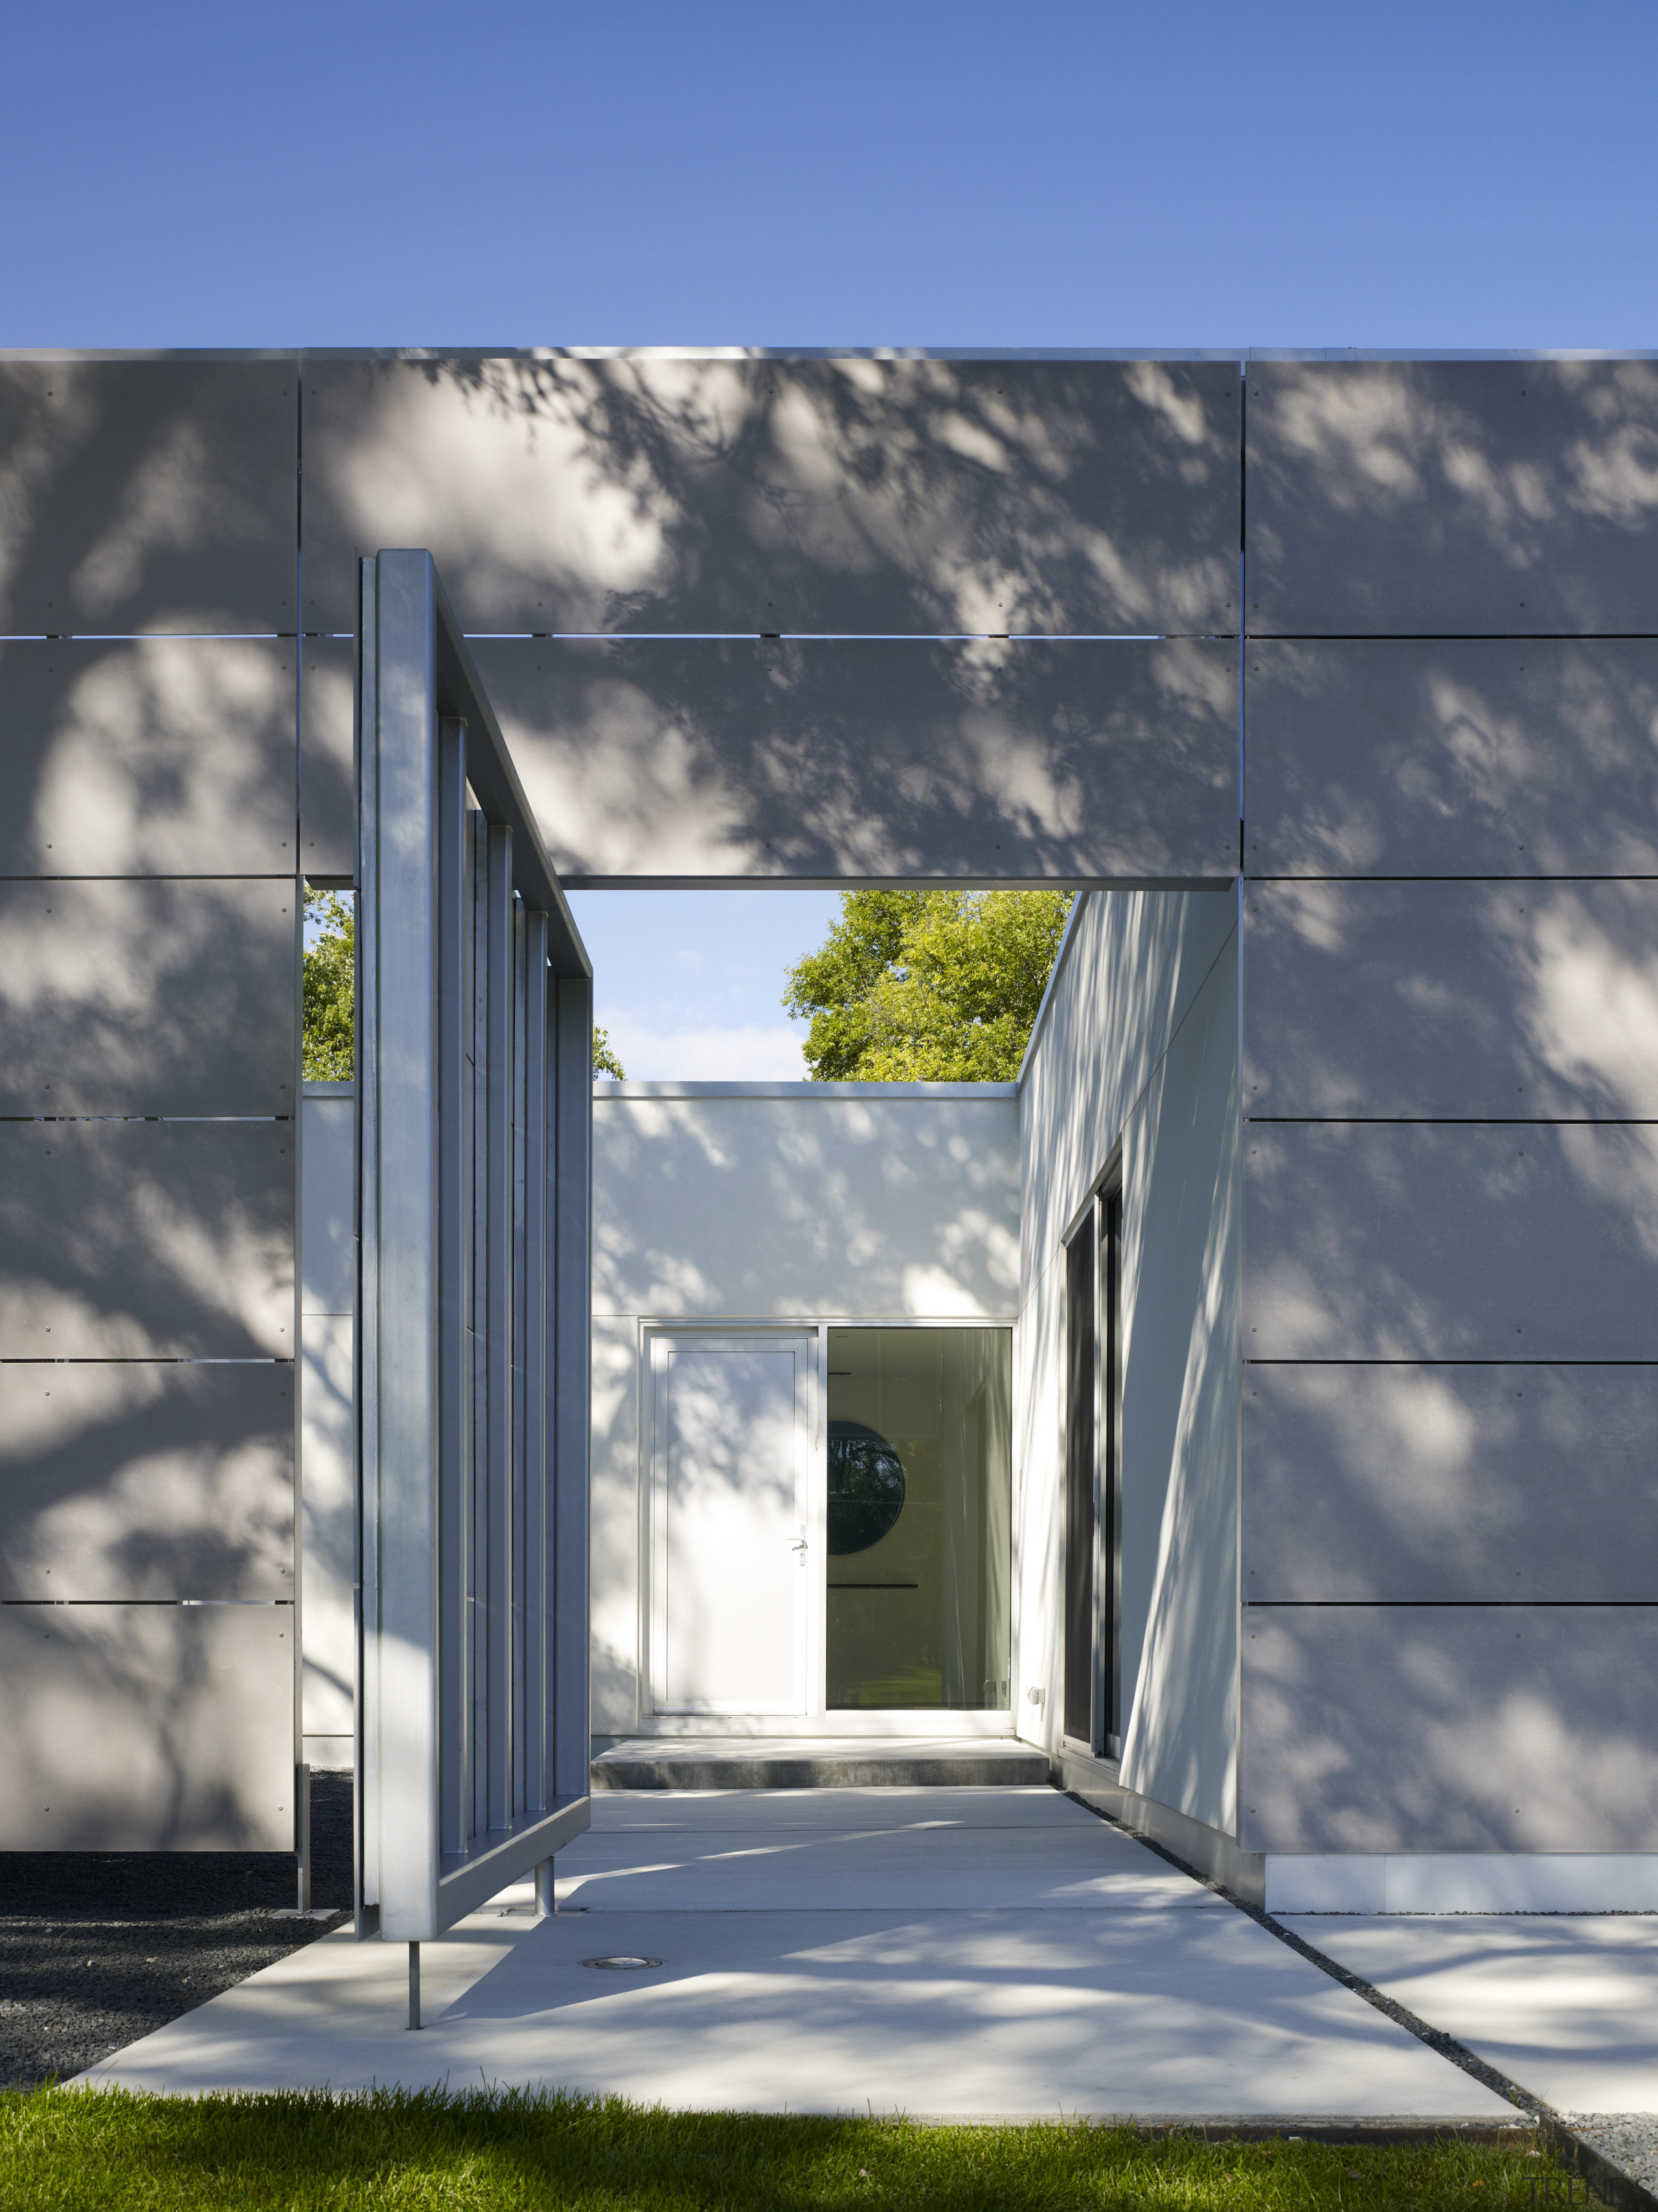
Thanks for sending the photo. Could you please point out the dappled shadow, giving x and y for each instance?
(148, 998)
(165, 757)
(1449, 1482)
(1435, 1241)
(658, 493)
(328, 800)
(805, 1205)
(148, 494)
(1442, 498)
(328, 1461)
(146, 1480)
(728, 1621)
(1140, 1042)
(135, 1240)
(875, 758)
(1449, 1728)
(1466, 757)
(147, 1726)
(1180, 1438)
(1462, 1001)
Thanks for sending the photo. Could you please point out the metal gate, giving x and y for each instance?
(474, 1110)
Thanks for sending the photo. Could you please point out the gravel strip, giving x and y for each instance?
(1629, 2142)
(97, 1948)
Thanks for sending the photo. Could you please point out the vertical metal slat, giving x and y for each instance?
(498, 1355)
(517, 1624)
(573, 1241)
(536, 1528)
(478, 1585)
(454, 1230)
(402, 1411)
(364, 1838)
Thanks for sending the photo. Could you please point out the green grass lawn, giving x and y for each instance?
(74, 2149)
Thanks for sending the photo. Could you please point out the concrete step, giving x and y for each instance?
(819, 1763)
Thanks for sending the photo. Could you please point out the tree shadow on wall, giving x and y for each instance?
(842, 496)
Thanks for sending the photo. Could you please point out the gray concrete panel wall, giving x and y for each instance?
(1450, 1484)
(1455, 1001)
(146, 1240)
(146, 1480)
(1451, 756)
(1450, 1728)
(145, 1728)
(1452, 498)
(860, 757)
(148, 495)
(162, 756)
(1451, 1066)
(150, 922)
(328, 809)
(658, 493)
(328, 1429)
(1451, 1241)
(124, 996)
(1138, 1048)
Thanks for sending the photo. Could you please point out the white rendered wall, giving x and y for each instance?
(327, 1424)
(1140, 1044)
(778, 1202)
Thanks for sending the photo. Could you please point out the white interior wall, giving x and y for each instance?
(796, 1201)
(1140, 1044)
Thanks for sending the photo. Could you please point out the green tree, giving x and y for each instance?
(604, 1060)
(331, 988)
(927, 985)
(330, 954)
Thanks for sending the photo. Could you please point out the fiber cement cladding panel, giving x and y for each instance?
(146, 1478)
(1450, 1728)
(167, 756)
(1436, 1241)
(656, 493)
(158, 494)
(1448, 1483)
(147, 1727)
(1464, 757)
(875, 757)
(147, 997)
(1447, 498)
(1460, 1000)
(146, 1240)
(328, 807)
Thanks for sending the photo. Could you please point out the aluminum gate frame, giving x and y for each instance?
(474, 1132)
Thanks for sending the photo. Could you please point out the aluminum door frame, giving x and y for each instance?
(474, 1005)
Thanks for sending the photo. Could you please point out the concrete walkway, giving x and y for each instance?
(957, 1952)
(1565, 2005)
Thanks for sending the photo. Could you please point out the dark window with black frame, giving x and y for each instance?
(1093, 1482)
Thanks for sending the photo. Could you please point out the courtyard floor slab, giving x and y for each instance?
(960, 1953)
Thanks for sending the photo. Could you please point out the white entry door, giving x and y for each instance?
(731, 1435)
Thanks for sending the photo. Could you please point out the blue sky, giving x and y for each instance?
(1456, 174)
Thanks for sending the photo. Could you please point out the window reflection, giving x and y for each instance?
(920, 1429)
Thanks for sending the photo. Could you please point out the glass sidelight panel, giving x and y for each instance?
(920, 1451)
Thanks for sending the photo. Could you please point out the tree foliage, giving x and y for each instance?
(604, 1060)
(331, 958)
(927, 985)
